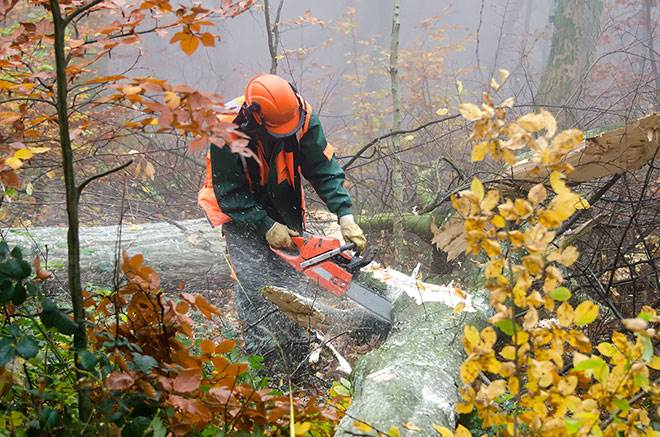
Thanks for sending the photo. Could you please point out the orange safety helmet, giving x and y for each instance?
(279, 104)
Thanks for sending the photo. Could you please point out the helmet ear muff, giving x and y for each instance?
(253, 119)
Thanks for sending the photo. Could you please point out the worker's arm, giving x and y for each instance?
(322, 170)
(232, 190)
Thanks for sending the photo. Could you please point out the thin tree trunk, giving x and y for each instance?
(648, 25)
(397, 176)
(273, 33)
(72, 198)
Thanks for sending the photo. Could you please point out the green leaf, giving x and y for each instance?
(27, 347)
(591, 363)
(645, 316)
(572, 426)
(561, 294)
(647, 351)
(17, 253)
(19, 295)
(144, 363)
(15, 269)
(641, 380)
(506, 326)
(6, 290)
(48, 419)
(157, 427)
(622, 405)
(87, 360)
(32, 289)
(7, 351)
(52, 317)
(4, 249)
(341, 390)
(136, 427)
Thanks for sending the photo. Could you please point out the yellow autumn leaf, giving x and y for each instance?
(566, 257)
(412, 427)
(479, 151)
(442, 431)
(459, 87)
(566, 140)
(586, 313)
(513, 385)
(462, 431)
(468, 372)
(491, 247)
(508, 353)
(549, 122)
(361, 426)
(495, 389)
(490, 200)
(582, 203)
(477, 188)
(471, 334)
(488, 337)
(537, 194)
(470, 111)
(565, 314)
(531, 122)
(23, 154)
(494, 268)
(131, 90)
(14, 162)
(302, 428)
(38, 150)
(498, 221)
(171, 99)
(442, 111)
(494, 85)
(606, 349)
(504, 75)
(508, 103)
(459, 307)
(655, 362)
(557, 182)
(567, 385)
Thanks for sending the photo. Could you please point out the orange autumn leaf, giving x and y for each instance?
(188, 380)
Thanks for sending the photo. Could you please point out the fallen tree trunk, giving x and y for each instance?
(189, 251)
(412, 376)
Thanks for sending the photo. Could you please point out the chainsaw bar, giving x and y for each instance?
(372, 302)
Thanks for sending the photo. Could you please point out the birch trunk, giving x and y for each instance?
(397, 176)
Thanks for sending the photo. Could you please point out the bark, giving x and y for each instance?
(648, 28)
(72, 199)
(412, 377)
(574, 41)
(190, 251)
(397, 176)
(273, 33)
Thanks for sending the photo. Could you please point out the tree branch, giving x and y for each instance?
(80, 10)
(100, 175)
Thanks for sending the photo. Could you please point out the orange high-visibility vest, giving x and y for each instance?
(284, 166)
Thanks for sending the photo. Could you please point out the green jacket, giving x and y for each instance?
(273, 202)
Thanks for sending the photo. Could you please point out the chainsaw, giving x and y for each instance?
(330, 265)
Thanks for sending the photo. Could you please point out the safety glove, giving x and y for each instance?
(352, 232)
(279, 236)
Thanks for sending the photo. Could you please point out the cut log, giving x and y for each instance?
(608, 152)
(189, 251)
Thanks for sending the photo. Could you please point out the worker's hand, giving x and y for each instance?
(279, 236)
(352, 232)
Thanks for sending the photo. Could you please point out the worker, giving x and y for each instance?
(260, 201)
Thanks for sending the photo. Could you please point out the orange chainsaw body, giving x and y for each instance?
(327, 274)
